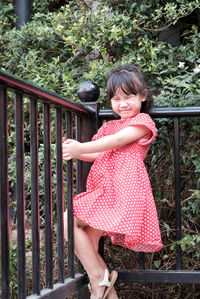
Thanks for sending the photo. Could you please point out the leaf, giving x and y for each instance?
(157, 263)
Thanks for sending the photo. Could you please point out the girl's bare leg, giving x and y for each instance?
(86, 253)
(95, 240)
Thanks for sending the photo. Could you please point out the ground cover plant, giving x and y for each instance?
(67, 42)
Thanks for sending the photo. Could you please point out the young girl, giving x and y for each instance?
(118, 201)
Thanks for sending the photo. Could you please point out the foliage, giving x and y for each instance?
(58, 50)
(7, 18)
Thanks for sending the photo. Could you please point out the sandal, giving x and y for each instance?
(105, 282)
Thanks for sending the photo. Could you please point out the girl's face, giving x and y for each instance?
(126, 106)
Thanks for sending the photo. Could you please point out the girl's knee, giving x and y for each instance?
(77, 224)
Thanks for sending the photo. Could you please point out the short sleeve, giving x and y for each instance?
(100, 133)
(143, 119)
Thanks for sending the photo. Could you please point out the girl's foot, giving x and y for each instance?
(101, 289)
(97, 289)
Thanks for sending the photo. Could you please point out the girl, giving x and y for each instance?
(118, 201)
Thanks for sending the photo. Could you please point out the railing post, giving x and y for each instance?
(88, 93)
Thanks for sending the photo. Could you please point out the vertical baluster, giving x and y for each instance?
(70, 201)
(48, 196)
(79, 168)
(79, 175)
(4, 195)
(88, 130)
(60, 206)
(35, 197)
(20, 197)
(141, 261)
(88, 127)
(177, 191)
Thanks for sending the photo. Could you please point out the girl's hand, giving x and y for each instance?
(71, 149)
(63, 139)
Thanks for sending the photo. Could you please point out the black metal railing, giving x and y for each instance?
(79, 121)
(165, 276)
(73, 116)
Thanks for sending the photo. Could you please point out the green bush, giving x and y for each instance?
(57, 50)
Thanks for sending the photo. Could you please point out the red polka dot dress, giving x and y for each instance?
(119, 198)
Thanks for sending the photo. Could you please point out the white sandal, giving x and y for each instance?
(105, 282)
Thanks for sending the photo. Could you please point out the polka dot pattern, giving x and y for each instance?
(119, 198)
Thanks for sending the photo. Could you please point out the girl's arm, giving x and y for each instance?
(85, 157)
(75, 149)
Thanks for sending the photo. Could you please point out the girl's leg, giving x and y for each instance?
(86, 253)
(95, 240)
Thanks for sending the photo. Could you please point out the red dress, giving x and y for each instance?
(119, 198)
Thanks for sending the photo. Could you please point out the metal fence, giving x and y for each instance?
(72, 115)
(165, 276)
(77, 121)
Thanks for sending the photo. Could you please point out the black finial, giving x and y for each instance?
(88, 91)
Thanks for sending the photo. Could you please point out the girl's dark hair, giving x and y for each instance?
(130, 80)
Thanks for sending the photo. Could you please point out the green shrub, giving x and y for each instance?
(57, 50)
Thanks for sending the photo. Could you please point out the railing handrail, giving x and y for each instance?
(31, 90)
(13, 82)
(159, 112)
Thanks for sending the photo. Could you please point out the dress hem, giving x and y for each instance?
(157, 247)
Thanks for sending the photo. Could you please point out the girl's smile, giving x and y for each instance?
(126, 106)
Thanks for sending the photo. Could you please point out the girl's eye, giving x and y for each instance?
(131, 97)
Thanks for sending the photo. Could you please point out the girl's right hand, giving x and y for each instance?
(71, 149)
(63, 139)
